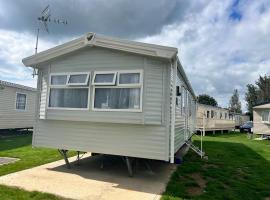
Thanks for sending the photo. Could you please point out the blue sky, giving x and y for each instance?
(223, 45)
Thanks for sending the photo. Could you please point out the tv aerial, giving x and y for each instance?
(44, 19)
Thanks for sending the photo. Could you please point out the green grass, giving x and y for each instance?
(237, 168)
(20, 147)
(12, 193)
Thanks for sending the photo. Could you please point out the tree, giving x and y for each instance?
(251, 97)
(258, 93)
(235, 104)
(263, 84)
(206, 99)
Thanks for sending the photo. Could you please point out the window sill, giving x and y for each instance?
(116, 110)
(60, 108)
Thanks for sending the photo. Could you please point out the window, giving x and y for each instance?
(104, 78)
(212, 114)
(266, 116)
(129, 78)
(78, 79)
(226, 115)
(117, 98)
(58, 80)
(20, 101)
(125, 94)
(69, 91)
(220, 115)
(207, 114)
(68, 97)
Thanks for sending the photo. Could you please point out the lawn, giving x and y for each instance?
(20, 147)
(237, 168)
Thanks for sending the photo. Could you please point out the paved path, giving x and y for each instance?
(88, 181)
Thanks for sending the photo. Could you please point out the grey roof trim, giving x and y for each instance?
(9, 84)
(182, 72)
(92, 39)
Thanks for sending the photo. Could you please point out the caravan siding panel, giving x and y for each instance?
(259, 126)
(156, 76)
(43, 75)
(184, 114)
(147, 140)
(9, 116)
(180, 122)
(91, 59)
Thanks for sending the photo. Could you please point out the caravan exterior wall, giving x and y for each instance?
(261, 119)
(216, 118)
(17, 106)
(140, 131)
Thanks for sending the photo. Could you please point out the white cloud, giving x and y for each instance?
(14, 47)
(218, 52)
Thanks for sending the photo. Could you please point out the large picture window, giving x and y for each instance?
(124, 95)
(69, 91)
(20, 101)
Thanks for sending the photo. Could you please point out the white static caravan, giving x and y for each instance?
(112, 96)
(261, 119)
(17, 106)
(213, 118)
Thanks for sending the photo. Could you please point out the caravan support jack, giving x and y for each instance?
(63, 152)
(129, 162)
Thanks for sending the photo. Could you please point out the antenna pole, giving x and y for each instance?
(37, 40)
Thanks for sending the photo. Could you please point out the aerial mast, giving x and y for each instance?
(45, 18)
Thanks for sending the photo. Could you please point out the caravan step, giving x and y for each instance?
(195, 149)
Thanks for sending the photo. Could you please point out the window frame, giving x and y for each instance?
(266, 122)
(107, 83)
(57, 74)
(21, 110)
(117, 72)
(78, 84)
(129, 72)
(66, 86)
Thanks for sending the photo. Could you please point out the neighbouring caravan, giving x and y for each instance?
(240, 119)
(212, 118)
(17, 106)
(112, 96)
(261, 119)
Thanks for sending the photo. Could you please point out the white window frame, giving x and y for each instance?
(140, 86)
(22, 110)
(130, 72)
(57, 74)
(66, 86)
(78, 84)
(105, 72)
(266, 122)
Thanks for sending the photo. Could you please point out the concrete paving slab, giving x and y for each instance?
(88, 181)
(7, 160)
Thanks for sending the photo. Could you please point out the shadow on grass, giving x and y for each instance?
(233, 171)
(15, 141)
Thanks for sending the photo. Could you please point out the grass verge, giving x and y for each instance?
(237, 168)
